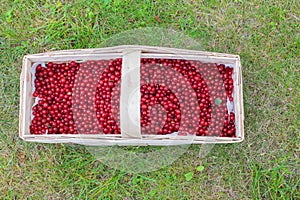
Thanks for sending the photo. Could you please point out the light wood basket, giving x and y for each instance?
(26, 98)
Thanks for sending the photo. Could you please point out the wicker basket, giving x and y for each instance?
(27, 100)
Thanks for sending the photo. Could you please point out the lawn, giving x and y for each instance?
(265, 165)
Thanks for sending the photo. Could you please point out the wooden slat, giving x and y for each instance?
(205, 59)
(113, 141)
(118, 137)
(60, 58)
(26, 97)
(145, 49)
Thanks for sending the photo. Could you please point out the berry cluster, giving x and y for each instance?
(53, 85)
(220, 86)
(107, 98)
(176, 96)
(229, 126)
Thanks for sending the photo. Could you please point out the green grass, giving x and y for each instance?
(264, 33)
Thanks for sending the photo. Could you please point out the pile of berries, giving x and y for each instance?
(177, 95)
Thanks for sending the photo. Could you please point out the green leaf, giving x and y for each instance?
(174, 177)
(218, 101)
(91, 14)
(152, 193)
(59, 4)
(189, 176)
(200, 168)
(106, 2)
